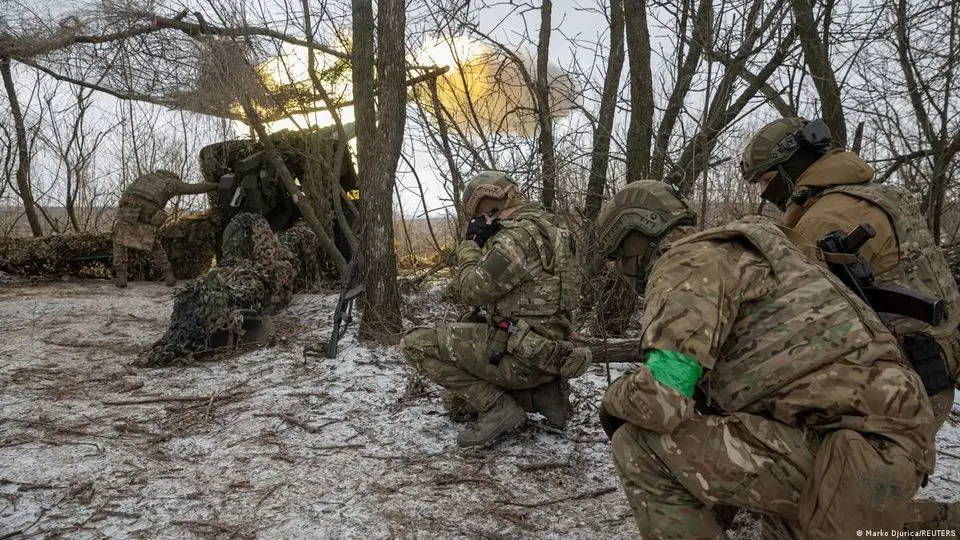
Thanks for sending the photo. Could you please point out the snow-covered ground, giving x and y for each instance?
(277, 442)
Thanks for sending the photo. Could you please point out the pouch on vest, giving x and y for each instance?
(856, 484)
(543, 353)
(925, 357)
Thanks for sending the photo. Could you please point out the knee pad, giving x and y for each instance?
(419, 342)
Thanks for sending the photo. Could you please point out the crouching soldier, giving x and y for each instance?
(824, 189)
(519, 265)
(140, 215)
(815, 420)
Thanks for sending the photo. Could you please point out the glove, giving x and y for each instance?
(576, 363)
(609, 422)
(480, 231)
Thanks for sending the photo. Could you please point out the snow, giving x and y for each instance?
(278, 442)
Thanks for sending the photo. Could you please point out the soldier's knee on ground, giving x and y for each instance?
(419, 343)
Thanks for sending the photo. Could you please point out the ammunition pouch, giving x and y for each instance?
(554, 356)
(925, 356)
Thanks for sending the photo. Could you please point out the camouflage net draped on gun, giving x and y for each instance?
(258, 276)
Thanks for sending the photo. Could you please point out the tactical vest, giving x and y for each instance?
(150, 188)
(921, 266)
(808, 321)
(555, 286)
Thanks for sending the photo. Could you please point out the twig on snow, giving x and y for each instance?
(174, 399)
(292, 420)
(948, 454)
(530, 467)
(585, 495)
(336, 447)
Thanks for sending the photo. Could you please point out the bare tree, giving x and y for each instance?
(379, 144)
(603, 131)
(75, 146)
(641, 91)
(24, 188)
(816, 55)
(548, 167)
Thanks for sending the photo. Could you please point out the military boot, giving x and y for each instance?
(168, 278)
(457, 407)
(550, 399)
(120, 279)
(504, 417)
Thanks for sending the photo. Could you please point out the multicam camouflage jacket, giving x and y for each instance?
(153, 190)
(527, 270)
(778, 336)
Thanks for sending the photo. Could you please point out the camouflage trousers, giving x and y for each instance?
(456, 356)
(159, 255)
(942, 404)
(798, 482)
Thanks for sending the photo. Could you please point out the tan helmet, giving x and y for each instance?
(773, 144)
(489, 185)
(648, 207)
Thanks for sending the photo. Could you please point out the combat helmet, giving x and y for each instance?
(635, 221)
(787, 145)
(772, 145)
(489, 185)
(648, 207)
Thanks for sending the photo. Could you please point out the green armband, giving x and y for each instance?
(673, 369)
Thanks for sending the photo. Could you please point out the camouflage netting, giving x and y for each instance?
(258, 275)
(52, 257)
(189, 243)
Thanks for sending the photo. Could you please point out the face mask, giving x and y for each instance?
(778, 191)
(634, 265)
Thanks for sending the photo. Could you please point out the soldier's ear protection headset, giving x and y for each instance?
(812, 140)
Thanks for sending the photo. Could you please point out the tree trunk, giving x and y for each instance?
(23, 151)
(600, 158)
(378, 149)
(701, 37)
(603, 131)
(640, 130)
(818, 61)
(548, 171)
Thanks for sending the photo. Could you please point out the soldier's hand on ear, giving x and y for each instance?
(480, 231)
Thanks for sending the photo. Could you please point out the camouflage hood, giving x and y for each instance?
(836, 168)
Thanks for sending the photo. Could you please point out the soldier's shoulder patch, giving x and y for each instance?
(495, 263)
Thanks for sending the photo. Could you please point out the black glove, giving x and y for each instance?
(609, 422)
(480, 231)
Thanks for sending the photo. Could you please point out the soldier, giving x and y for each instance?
(820, 424)
(823, 190)
(520, 266)
(139, 216)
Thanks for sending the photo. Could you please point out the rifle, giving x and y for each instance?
(352, 288)
(842, 254)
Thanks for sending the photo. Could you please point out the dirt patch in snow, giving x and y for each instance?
(276, 442)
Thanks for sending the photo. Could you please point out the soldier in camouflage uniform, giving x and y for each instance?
(519, 265)
(823, 190)
(816, 421)
(140, 215)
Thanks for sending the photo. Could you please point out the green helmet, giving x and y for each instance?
(648, 207)
(492, 185)
(774, 144)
